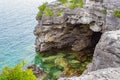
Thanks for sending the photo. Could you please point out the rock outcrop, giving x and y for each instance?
(107, 51)
(80, 28)
(103, 74)
(74, 27)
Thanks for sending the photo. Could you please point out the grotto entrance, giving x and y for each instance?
(66, 62)
(95, 38)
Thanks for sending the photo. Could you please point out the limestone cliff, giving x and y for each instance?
(81, 28)
(74, 27)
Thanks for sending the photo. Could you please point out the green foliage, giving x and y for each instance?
(59, 12)
(48, 11)
(76, 3)
(73, 3)
(116, 13)
(62, 62)
(43, 6)
(41, 10)
(39, 14)
(72, 6)
(17, 73)
(63, 1)
(104, 11)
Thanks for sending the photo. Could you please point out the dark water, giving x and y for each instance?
(17, 22)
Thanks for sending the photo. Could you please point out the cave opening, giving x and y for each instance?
(65, 62)
(95, 38)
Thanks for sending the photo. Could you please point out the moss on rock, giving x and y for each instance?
(116, 13)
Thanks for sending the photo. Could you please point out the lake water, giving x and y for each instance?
(17, 22)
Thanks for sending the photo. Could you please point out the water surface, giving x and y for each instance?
(17, 22)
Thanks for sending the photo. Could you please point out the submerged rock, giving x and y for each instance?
(38, 72)
(63, 63)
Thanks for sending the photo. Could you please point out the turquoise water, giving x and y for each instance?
(17, 22)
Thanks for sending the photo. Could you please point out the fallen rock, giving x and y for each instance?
(36, 70)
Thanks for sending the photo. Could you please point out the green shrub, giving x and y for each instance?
(72, 6)
(104, 11)
(59, 12)
(39, 14)
(43, 6)
(116, 13)
(41, 10)
(48, 11)
(76, 3)
(17, 73)
(63, 1)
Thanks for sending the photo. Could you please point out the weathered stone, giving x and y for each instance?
(75, 28)
(36, 70)
(60, 36)
(107, 51)
(59, 31)
(95, 28)
(103, 74)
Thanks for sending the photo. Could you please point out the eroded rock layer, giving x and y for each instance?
(74, 27)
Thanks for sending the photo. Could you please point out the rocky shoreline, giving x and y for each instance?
(93, 26)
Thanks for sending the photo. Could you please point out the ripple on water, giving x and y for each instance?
(17, 21)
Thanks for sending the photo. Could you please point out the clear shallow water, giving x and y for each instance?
(17, 22)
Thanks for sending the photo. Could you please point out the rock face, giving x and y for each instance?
(104, 74)
(107, 51)
(36, 70)
(64, 31)
(74, 27)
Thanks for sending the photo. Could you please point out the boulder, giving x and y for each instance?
(36, 70)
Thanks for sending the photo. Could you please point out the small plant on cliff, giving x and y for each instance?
(41, 10)
(63, 1)
(59, 12)
(17, 73)
(76, 3)
(104, 11)
(116, 13)
(48, 11)
(43, 6)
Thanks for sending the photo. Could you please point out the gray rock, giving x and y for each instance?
(103, 74)
(60, 36)
(72, 27)
(95, 28)
(107, 51)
